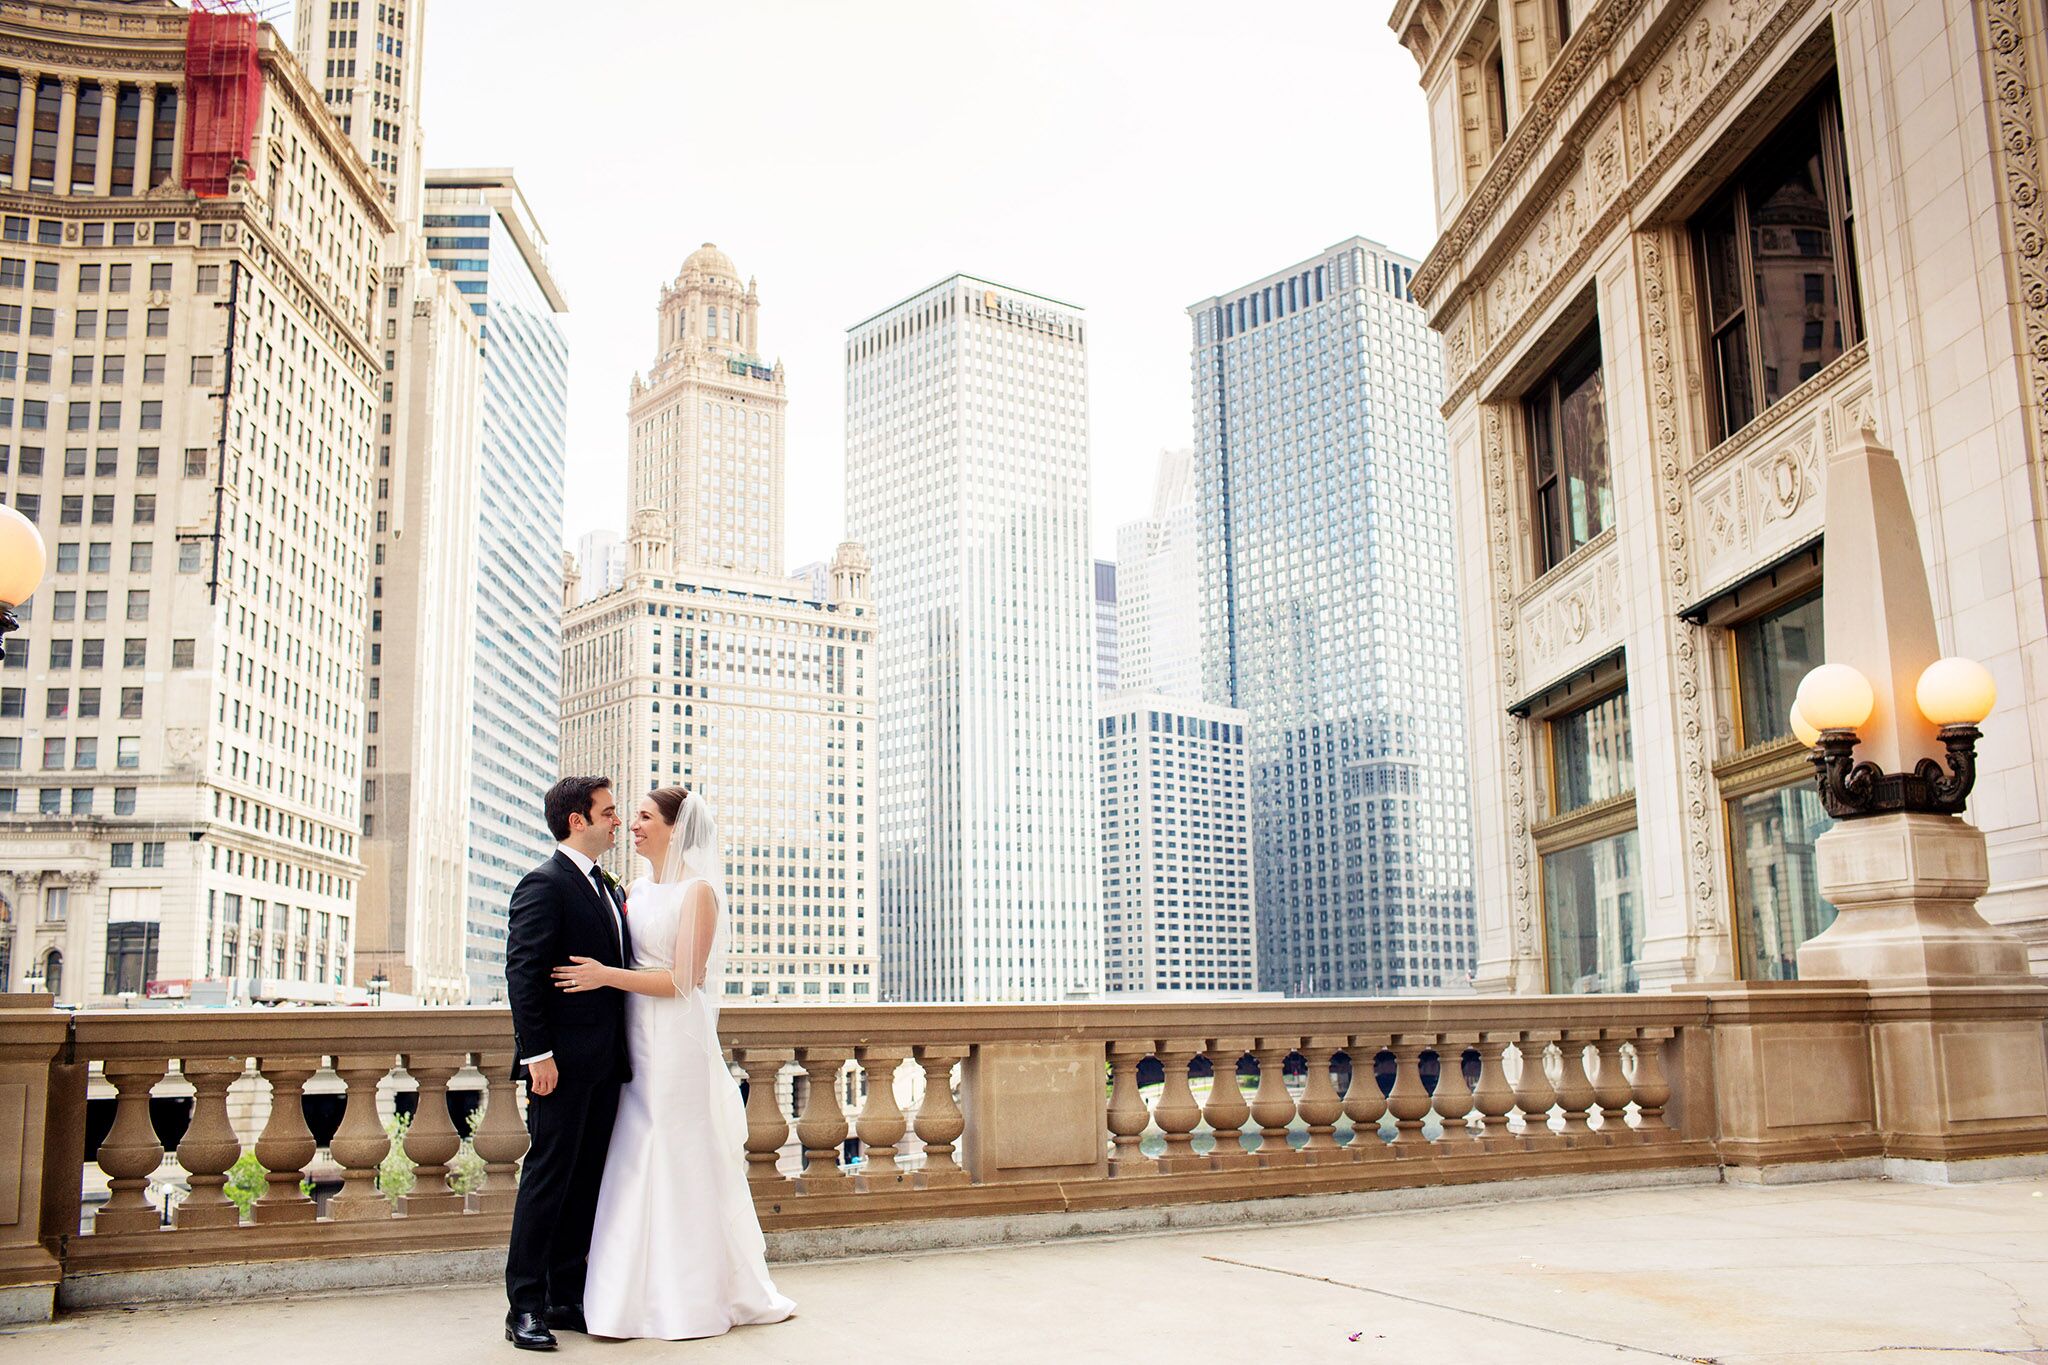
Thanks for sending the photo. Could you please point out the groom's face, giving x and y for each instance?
(601, 826)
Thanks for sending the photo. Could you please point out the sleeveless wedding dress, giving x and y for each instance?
(677, 1251)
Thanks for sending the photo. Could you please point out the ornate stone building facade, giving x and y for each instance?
(187, 411)
(1686, 249)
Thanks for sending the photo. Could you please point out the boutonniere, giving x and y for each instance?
(613, 883)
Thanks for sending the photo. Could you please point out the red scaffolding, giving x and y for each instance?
(223, 92)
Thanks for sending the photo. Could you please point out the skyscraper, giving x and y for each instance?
(967, 480)
(1159, 604)
(601, 557)
(1327, 584)
(421, 657)
(753, 688)
(705, 449)
(1176, 855)
(182, 717)
(480, 230)
(1105, 626)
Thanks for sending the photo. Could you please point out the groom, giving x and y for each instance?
(572, 1056)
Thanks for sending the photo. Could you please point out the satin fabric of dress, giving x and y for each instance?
(677, 1251)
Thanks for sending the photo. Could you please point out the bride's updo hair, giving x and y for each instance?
(669, 801)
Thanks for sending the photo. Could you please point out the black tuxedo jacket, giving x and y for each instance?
(556, 914)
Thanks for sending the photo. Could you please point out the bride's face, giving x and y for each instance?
(650, 832)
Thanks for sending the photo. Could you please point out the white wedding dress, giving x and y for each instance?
(677, 1250)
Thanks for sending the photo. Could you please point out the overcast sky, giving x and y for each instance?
(1128, 157)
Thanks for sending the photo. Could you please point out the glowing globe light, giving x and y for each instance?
(1956, 691)
(1836, 697)
(22, 558)
(1805, 733)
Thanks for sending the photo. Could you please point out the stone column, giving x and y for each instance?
(500, 1137)
(67, 133)
(130, 1153)
(360, 1144)
(767, 1125)
(103, 164)
(1128, 1118)
(821, 1127)
(25, 129)
(432, 1141)
(881, 1124)
(286, 1143)
(1227, 1109)
(145, 127)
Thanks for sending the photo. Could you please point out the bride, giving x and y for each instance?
(677, 1251)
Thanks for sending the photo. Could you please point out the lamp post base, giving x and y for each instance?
(1905, 889)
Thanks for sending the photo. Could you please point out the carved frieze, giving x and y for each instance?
(2016, 151)
(1572, 618)
(1500, 537)
(1755, 500)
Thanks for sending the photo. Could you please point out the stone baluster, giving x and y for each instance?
(500, 1137)
(1534, 1094)
(1493, 1097)
(1364, 1105)
(130, 1153)
(1320, 1105)
(939, 1122)
(1575, 1088)
(432, 1141)
(1272, 1106)
(286, 1144)
(881, 1124)
(1408, 1102)
(1175, 1111)
(360, 1143)
(1651, 1086)
(821, 1127)
(1452, 1098)
(1128, 1118)
(1611, 1087)
(1227, 1109)
(209, 1147)
(767, 1125)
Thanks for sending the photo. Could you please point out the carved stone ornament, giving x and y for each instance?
(1501, 561)
(1694, 734)
(2016, 151)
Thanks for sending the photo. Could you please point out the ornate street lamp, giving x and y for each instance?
(22, 559)
(376, 986)
(1835, 702)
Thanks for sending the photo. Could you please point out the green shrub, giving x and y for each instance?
(245, 1181)
(394, 1174)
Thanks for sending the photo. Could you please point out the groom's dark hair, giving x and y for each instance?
(572, 796)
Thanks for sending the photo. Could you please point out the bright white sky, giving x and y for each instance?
(1129, 156)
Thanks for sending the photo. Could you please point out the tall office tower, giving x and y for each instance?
(1159, 626)
(1327, 583)
(410, 924)
(191, 388)
(1105, 626)
(815, 578)
(1176, 846)
(967, 479)
(364, 55)
(480, 230)
(745, 688)
(601, 558)
(417, 754)
(707, 423)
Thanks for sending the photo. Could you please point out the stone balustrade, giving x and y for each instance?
(954, 1111)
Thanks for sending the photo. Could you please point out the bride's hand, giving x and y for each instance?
(582, 974)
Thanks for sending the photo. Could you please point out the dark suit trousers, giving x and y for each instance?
(570, 1130)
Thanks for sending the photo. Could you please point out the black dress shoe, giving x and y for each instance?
(528, 1332)
(569, 1319)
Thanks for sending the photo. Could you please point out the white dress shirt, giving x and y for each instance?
(583, 866)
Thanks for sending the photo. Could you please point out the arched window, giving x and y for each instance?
(53, 972)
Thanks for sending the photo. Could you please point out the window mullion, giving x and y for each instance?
(1745, 255)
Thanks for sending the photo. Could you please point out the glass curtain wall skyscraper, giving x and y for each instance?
(1327, 587)
(967, 479)
(481, 231)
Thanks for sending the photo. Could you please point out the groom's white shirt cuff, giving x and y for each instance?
(529, 1061)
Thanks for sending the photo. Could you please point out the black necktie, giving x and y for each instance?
(597, 880)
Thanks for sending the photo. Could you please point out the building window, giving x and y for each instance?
(56, 904)
(131, 957)
(1778, 265)
(1774, 812)
(1592, 908)
(1567, 417)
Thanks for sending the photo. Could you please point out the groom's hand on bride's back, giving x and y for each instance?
(541, 1076)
